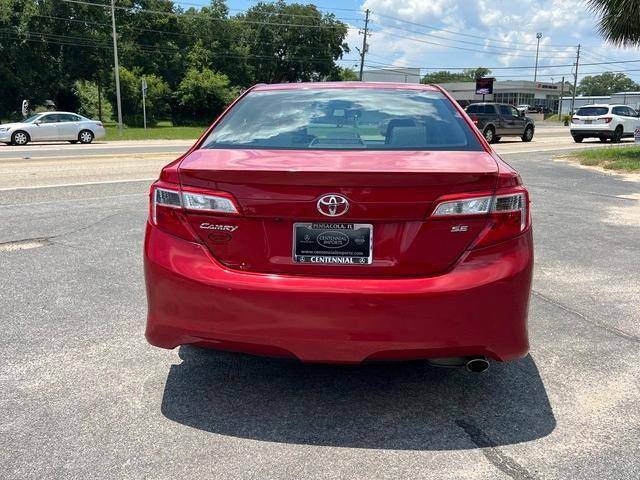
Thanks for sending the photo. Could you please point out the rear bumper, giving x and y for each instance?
(477, 308)
(592, 131)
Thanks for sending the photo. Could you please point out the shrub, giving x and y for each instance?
(201, 96)
(87, 93)
(157, 97)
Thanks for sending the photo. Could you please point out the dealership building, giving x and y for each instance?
(514, 92)
(396, 74)
(623, 98)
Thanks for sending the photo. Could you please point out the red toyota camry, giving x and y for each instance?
(341, 222)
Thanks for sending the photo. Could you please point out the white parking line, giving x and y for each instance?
(108, 182)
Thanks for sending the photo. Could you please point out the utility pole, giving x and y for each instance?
(99, 101)
(560, 102)
(365, 47)
(535, 72)
(575, 81)
(116, 65)
(144, 101)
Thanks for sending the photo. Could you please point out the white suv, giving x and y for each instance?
(603, 122)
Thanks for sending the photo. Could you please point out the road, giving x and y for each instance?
(64, 164)
(84, 396)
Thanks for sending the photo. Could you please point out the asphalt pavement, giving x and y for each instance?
(84, 396)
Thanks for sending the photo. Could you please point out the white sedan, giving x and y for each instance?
(50, 126)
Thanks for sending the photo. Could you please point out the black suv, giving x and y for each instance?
(497, 120)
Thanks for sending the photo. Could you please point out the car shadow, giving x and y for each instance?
(408, 406)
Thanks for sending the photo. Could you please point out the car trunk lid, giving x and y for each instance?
(392, 191)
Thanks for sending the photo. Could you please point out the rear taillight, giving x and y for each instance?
(574, 120)
(507, 211)
(474, 120)
(99, 124)
(221, 203)
(169, 205)
(606, 119)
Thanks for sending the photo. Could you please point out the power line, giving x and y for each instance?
(320, 7)
(554, 75)
(486, 52)
(475, 43)
(531, 67)
(194, 15)
(72, 41)
(138, 29)
(458, 33)
(266, 12)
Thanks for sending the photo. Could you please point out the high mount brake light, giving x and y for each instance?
(507, 211)
(169, 206)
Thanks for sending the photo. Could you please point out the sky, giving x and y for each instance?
(451, 34)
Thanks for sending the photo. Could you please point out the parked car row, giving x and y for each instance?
(52, 126)
(534, 109)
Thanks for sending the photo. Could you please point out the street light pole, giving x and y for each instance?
(535, 72)
(116, 65)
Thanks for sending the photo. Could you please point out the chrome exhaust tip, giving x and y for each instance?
(477, 365)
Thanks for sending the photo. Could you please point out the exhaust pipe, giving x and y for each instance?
(477, 364)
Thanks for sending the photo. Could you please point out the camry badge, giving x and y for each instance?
(333, 205)
(224, 228)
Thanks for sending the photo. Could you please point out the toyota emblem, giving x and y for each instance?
(333, 205)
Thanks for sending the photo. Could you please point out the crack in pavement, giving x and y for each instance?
(604, 326)
(35, 242)
(492, 453)
(25, 244)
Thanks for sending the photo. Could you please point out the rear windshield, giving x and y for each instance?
(481, 108)
(592, 111)
(349, 118)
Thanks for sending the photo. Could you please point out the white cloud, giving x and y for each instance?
(505, 30)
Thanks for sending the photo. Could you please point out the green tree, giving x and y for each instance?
(157, 97)
(476, 73)
(606, 84)
(443, 76)
(343, 74)
(292, 42)
(49, 46)
(467, 75)
(87, 93)
(201, 96)
(217, 42)
(619, 20)
(45, 49)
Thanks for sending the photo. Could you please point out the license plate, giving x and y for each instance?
(588, 122)
(333, 243)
